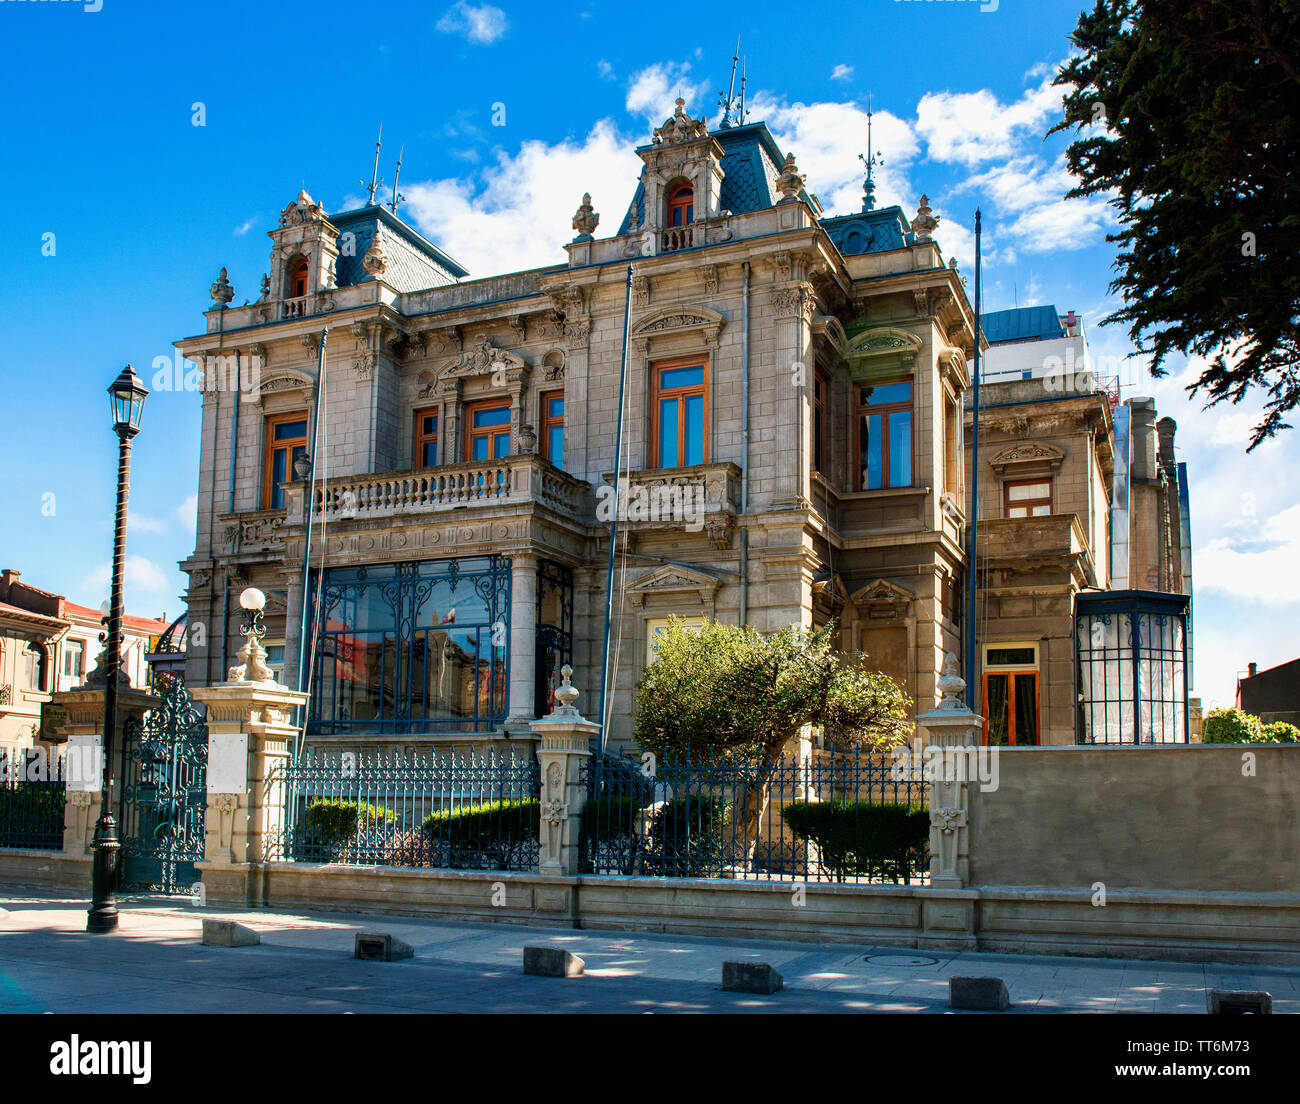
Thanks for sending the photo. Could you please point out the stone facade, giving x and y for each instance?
(783, 306)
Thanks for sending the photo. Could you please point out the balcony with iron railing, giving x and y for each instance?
(509, 482)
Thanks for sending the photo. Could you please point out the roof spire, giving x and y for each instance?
(871, 160)
(397, 196)
(375, 178)
(727, 99)
(743, 66)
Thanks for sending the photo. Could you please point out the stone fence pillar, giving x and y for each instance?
(250, 740)
(953, 745)
(565, 743)
(80, 715)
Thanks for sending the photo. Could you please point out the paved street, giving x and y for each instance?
(157, 964)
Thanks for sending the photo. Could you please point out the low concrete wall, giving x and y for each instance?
(1220, 927)
(1169, 818)
(19, 866)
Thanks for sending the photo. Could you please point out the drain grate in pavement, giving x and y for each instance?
(901, 960)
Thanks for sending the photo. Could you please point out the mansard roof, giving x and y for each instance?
(869, 231)
(414, 262)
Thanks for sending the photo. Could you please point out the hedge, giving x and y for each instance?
(864, 838)
(1234, 726)
(336, 821)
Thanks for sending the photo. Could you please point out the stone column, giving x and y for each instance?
(523, 642)
(565, 743)
(953, 745)
(250, 741)
(81, 713)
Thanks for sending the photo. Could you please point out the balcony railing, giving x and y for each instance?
(702, 497)
(295, 308)
(678, 237)
(511, 481)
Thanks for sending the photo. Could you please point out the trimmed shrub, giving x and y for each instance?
(333, 822)
(489, 831)
(863, 838)
(1231, 726)
(688, 836)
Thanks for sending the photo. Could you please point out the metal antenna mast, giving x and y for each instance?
(397, 196)
(375, 178)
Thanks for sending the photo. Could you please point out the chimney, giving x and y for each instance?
(1251, 669)
(9, 577)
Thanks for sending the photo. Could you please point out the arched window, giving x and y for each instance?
(681, 205)
(298, 280)
(38, 662)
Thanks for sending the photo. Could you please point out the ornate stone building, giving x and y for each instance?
(793, 435)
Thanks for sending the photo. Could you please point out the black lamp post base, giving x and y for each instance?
(101, 920)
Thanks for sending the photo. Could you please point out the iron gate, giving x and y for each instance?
(164, 794)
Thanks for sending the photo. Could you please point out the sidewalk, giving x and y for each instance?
(155, 963)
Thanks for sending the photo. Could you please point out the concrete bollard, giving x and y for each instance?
(226, 933)
(552, 962)
(380, 947)
(978, 994)
(1238, 1002)
(750, 977)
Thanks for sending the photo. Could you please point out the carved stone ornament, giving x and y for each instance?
(641, 291)
(925, 222)
(585, 219)
(709, 273)
(302, 210)
(789, 183)
(671, 320)
(483, 358)
(221, 291)
(374, 261)
(680, 127)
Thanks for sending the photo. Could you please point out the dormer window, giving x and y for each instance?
(298, 280)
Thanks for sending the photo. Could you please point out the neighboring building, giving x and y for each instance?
(468, 441)
(1273, 694)
(1084, 537)
(48, 643)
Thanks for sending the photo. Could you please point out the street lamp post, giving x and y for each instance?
(127, 395)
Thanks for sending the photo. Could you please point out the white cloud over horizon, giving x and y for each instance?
(483, 24)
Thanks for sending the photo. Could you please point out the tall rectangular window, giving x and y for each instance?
(884, 432)
(74, 652)
(1027, 498)
(552, 407)
(487, 434)
(286, 440)
(679, 413)
(821, 422)
(425, 452)
(1011, 695)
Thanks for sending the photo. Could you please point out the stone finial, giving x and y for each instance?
(222, 292)
(266, 287)
(585, 219)
(527, 438)
(679, 127)
(789, 183)
(951, 684)
(374, 261)
(566, 694)
(925, 222)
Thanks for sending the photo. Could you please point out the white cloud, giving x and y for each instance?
(842, 72)
(652, 92)
(187, 513)
(1258, 564)
(974, 127)
(605, 69)
(521, 215)
(244, 227)
(483, 24)
(148, 588)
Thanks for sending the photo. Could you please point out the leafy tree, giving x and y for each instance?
(727, 689)
(1199, 106)
(1234, 726)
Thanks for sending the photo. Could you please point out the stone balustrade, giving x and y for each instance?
(700, 497)
(511, 481)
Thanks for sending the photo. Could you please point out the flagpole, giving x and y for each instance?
(972, 697)
(613, 518)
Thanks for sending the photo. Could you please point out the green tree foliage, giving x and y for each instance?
(1187, 116)
(1232, 726)
(727, 689)
(864, 838)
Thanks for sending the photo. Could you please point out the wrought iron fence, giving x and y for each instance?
(464, 812)
(31, 805)
(826, 817)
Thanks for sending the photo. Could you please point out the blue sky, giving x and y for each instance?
(145, 206)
